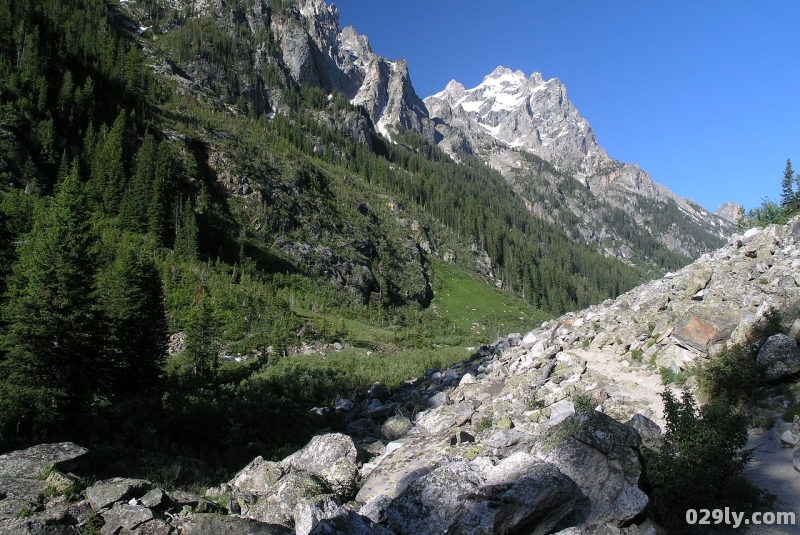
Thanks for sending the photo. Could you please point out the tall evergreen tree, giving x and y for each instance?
(201, 346)
(139, 193)
(168, 172)
(186, 237)
(108, 171)
(132, 301)
(50, 343)
(787, 187)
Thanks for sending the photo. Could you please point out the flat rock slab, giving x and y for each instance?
(126, 516)
(33, 462)
(104, 494)
(211, 524)
(401, 467)
(441, 419)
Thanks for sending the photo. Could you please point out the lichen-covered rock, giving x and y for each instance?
(780, 356)
(396, 427)
(103, 494)
(34, 462)
(441, 419)
(331, 457)
(599, 455)
(481, 497)
(210, 524)
(401, 466)
(125, 516)
(308, 513)
(258, 476)
(277, 506)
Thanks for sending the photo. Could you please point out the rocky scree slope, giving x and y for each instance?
(535, 434)
(509, 117)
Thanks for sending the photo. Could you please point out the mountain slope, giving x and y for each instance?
(509, 117)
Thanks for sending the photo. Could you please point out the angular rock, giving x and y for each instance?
(400, 467)
(33, 462)
(560, 411)
(258, 476)
(125, 516)
(396, 427)
(210, 524)
(599, 455)
(180, 499)
(153, 498)
(780, 356)
(331, 457)
(472, 499)
(28, 490)
(441, 419)
(309, 513)
(277, 506)
(375, 508)
(705, 327)
(439, 399)
(104, 494)
(648, 430)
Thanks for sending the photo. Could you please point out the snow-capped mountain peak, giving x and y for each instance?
(524, 112)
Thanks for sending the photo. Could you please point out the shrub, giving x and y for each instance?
(733, 375)
(484, 424)
(701, 465)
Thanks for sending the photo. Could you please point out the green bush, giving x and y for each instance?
(702, 463)
(733, 376)
(484, 424)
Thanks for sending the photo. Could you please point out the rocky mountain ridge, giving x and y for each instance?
(538, 434)
(504, 119)
(525, 127)
(508, 115)
(319, 53)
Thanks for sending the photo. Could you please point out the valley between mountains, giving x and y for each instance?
(251, 282)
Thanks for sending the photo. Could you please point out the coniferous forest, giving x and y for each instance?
(178, 265)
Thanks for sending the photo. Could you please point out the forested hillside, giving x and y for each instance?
(184, 270)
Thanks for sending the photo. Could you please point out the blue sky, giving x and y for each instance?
(705, 96)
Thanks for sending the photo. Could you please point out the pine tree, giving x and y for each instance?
(168, 171)
(50, 343)
(108, 171)
(186, 237)
(139, 193)
(787, 190)
(201, 346)
(132, 300)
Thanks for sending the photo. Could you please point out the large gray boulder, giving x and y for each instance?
(780, 357)
(331, 457)
(104, 494)
(211, 524)
(33, 462)
(600, 455)
(258, 476)
(483, 497)
(277, 507)
(442, 419)
(399, 468)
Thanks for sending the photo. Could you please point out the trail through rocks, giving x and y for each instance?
(640, 386)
